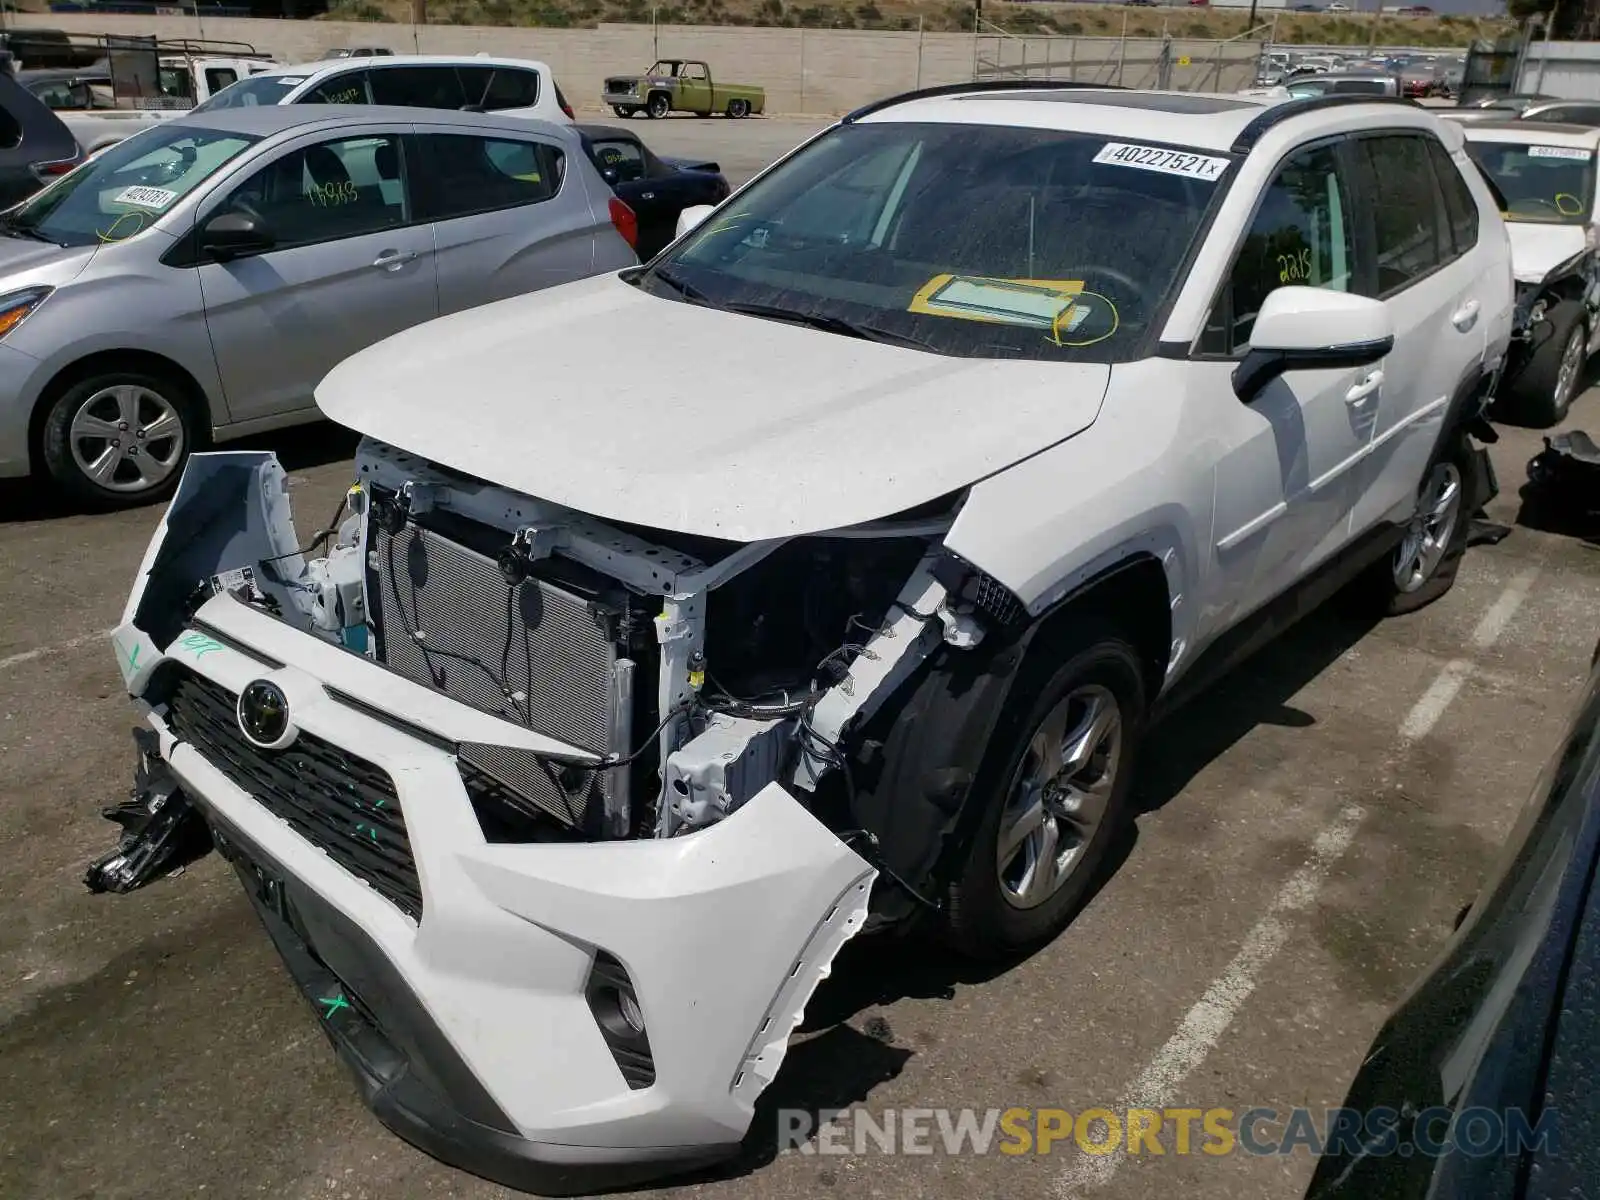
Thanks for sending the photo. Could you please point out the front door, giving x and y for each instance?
(694, 88)
(1287, 461)
(350, 267)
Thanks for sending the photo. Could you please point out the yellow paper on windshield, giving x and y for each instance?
(1036, 303)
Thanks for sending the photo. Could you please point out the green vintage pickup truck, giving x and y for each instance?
(681, 85)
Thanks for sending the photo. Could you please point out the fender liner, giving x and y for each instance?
(918, 765)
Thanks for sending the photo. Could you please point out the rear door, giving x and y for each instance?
(1433, 278)
(352, 265)
(508, 216)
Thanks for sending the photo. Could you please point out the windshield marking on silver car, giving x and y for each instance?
(1169, 162)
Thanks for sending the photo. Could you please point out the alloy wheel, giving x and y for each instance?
(127, 438)
(1572, 356)
(1059, 795)
(1427, 537)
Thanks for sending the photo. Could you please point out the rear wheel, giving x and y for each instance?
(738, 108)
(1544, 390)
(658, 106)
(119, 438)
(1423, 566)
(1058, 797)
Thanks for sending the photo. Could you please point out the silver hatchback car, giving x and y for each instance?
(195, 282)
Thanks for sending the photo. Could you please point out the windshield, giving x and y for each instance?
(1548, 184)
(966, 240)
(126, 188)
(247, 93)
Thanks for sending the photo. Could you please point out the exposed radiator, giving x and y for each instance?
(538, 654)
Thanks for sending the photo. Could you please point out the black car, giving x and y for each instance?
(657, 189)
(35, 147)
(1481, 1085)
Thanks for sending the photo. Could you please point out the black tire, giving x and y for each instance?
(979, 919)
(658, 106)
(154, 396)
(738, 108)
(1385, 589)
(1539, 395)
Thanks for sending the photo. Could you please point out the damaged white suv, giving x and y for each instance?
(950, 450)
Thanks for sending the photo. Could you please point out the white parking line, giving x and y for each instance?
(1204, 1024)
(16, 660)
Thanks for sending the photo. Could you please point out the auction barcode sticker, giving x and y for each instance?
(1168, 162)
(145, 197)
(1557, 152)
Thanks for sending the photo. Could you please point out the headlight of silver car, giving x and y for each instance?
(15, 306)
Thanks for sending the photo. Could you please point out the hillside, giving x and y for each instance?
(1074, 20)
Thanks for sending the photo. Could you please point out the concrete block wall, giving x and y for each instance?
(804, 71)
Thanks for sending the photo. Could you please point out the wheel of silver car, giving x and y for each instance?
(1570, 371)
(1052, 792)
(1058, 796)
(121, 439)
(658, 105)
(1432, 530)
(738, 108)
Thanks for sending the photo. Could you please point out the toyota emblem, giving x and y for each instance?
(263, 713)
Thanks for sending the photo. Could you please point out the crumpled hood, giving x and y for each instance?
(650, 411)
(1537, 249)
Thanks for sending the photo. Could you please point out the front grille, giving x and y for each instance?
(539, 654)
(344, 805)
(619, 86)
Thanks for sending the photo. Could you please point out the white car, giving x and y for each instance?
(512, 87)
(958, 445)
(1545, 176)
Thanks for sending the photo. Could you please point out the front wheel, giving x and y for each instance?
(658, 106)
(1054, 806)
(1545, 389)
(624, 111)
(120, 438)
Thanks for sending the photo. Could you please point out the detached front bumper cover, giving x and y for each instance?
(473, 1030)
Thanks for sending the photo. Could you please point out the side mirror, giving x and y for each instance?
(231, 235)
(692, 216)
(1307, 329)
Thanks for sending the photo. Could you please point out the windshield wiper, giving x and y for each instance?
(12, 229)
(685, 289)
(829, 323)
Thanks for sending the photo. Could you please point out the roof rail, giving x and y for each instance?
(977, 88)
(1278, 113)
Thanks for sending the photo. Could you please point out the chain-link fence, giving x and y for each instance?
(1181, 64)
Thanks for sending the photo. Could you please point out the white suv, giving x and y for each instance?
(513, 87)
(953, 448)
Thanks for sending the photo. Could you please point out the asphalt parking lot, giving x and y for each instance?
(1306, 839)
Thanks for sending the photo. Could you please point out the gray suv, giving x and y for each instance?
(195, 282)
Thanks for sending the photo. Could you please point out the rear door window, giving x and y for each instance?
(1412, 236)
(1459, 206)
(466, 174)
(418, 87)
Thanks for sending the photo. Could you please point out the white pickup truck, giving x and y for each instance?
(89, 104)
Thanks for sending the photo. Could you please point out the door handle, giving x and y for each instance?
(1359, 392)
(393, 260)
(647, 195)
(1465, 317)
